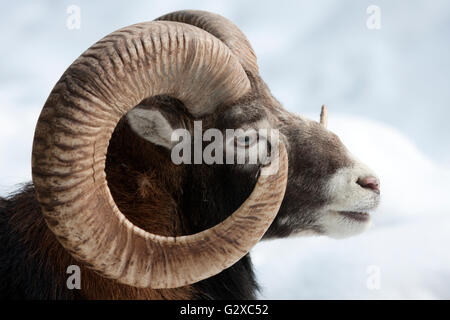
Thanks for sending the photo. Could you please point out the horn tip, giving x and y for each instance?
(324, 116)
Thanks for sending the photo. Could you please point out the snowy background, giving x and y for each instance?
(387, 90)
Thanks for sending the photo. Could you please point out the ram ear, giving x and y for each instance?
(155, 125)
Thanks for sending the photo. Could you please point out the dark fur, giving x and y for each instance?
(166, 199)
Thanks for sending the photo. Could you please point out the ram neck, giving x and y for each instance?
(211, 194)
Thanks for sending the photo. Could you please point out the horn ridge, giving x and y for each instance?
(221, 28)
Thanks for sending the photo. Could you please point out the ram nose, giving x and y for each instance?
(370, 182)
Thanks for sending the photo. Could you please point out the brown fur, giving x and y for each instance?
(148, 197)
(49, 253)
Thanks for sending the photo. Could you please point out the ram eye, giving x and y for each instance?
(246, 141)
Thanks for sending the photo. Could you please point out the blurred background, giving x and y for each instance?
(385, 81)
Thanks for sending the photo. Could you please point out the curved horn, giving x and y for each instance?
(72, 136)
(221, 28)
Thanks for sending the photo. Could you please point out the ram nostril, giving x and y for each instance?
(369, 183)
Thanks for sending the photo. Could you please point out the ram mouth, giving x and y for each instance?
(358, 216)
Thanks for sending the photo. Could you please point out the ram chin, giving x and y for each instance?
(344, 224)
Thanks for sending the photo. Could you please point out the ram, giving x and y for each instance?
(108, 197)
